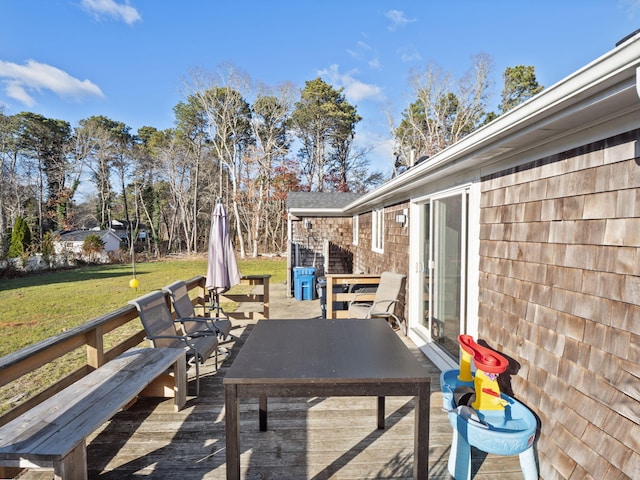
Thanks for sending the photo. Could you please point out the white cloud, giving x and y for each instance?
(22, 81)
(365, 52)
(398, 19)
(17, 92)
(409, 54)
(375, 64)
(109, 8)
(632, 7)
(354, 90)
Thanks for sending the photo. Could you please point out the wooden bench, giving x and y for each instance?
(54, 433)
(254, 302)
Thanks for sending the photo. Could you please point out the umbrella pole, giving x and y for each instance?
(214, 300)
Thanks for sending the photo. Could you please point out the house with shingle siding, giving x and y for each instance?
(526, 235)
(315, 235)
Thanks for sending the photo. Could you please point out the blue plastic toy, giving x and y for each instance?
(482, 416)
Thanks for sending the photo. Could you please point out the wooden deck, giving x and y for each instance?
(318, 438)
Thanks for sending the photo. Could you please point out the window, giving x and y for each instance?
(377, 230)
(354, 225)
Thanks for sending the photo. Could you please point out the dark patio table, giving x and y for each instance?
(324, 358)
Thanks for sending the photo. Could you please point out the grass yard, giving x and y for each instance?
(40, 306)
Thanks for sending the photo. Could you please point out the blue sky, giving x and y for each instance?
(127, 59)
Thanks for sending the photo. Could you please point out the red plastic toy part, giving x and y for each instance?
(485, 359)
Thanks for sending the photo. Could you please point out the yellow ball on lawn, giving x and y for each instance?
(133, 283)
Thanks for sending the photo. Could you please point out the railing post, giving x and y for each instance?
(95, 347)
(329, 296)
(203, 294)
(265, 297)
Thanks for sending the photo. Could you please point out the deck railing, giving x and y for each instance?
(251, 302)
(91, 337)
(342, 289)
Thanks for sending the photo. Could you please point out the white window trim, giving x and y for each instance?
(377, 230)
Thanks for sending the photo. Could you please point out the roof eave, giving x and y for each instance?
(611, 76)
(317, 212)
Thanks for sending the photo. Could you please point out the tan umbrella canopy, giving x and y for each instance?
(222, 268)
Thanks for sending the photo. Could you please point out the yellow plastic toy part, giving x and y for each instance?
(487, 393)
(465, 367)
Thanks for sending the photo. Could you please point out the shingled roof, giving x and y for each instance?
(81, 235)
(320, 201)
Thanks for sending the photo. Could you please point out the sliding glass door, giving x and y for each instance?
(445, 263)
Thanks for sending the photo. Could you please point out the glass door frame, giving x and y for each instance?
(422, 335)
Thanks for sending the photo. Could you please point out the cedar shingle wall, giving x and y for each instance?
(336, 230)
(362, 259)
(396, 244)
(396, 247)
(560, 294)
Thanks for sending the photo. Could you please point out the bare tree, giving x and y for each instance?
(100, 146)
(221, 97)
(10, 193)
(271, 113)
(444, 111)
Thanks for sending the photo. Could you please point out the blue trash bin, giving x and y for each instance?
(304, 283)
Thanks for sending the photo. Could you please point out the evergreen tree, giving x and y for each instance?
(520, 85)
(20, 238)
(92, 244)
(324, 122)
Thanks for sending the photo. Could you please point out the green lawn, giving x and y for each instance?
(39, 306)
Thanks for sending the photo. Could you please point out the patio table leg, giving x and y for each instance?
(381, 413)
(421, 435)
(262, 415)
(232, 430)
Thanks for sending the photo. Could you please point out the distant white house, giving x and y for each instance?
(72, 242)
(123, 229)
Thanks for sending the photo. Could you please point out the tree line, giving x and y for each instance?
(222, 147)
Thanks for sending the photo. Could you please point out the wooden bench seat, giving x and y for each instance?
(248, 310)
(256, 294)
(248, 307)
(257, 290)
(53, 433)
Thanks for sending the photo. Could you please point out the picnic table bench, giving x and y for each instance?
(253, 302)
(54, 433)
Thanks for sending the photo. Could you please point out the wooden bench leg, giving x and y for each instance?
(169, 385)
(74, 465)
(180, 378)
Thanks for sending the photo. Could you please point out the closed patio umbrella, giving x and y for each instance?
(222, 268)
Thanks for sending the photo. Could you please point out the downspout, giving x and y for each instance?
(289, 252)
